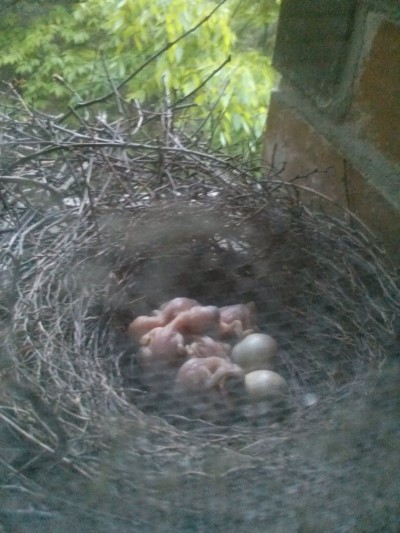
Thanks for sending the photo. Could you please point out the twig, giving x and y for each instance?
(34, 183)
(204, 82)
(147, 62)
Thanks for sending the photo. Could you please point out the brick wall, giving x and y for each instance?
(336, 115)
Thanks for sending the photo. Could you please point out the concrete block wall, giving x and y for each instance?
(335, 118)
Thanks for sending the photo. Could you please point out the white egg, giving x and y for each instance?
(264, 385)
(255, 352)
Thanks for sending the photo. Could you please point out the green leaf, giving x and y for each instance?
(69, 40)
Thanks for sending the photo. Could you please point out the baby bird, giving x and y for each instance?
(238, 320)
(199, 320)
(161, 351)
(171, 309)
(202, 386)
(162, 344)
(143, 325)
(161, 317)
(206, 346)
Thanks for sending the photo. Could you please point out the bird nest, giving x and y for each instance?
(102, 222)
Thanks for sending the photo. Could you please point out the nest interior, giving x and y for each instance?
(309, 283)
(106, 231)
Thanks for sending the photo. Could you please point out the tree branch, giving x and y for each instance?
(221, 66)
(146, 63)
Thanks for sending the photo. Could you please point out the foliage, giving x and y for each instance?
(70, 53)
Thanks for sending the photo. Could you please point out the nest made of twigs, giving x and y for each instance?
(100, 225)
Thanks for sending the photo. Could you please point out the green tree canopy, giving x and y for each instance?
(71, 52)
